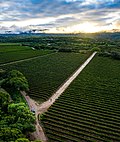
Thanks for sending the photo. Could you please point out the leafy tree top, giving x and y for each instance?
(16, 80)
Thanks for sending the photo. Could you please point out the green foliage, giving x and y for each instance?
(24, 119)
(14, 73)
(113, 54)
(10, 134)
(41, 116)
(89, 109)
(16, 80)
(2, 73)
(46, 74)
(2, 76)
(16, 118)
(16, 96)
(16, 121)
(12, 52)
(96, 49)
(4, 99)
(22, 140)
(37, 141)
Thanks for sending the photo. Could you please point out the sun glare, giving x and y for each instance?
(86, 28)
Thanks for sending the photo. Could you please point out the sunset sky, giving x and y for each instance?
(59, 16)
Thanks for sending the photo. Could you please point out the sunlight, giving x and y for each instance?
(86, 28)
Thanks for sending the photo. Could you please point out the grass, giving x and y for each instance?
(46, 74)
(89, 109)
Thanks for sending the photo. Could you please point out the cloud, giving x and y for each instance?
(58, 14)
(116, 24)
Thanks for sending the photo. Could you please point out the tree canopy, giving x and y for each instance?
(16, 80)
(15, 118)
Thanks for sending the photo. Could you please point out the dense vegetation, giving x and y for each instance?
(16, 120)
(114, 55)
(71, 42)
(47, 73)
(89, 109)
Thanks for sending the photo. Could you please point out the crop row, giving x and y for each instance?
(46, 74)
(78, 130)
(84, 119)
(15, 53)
(89, 109)
(88, 118)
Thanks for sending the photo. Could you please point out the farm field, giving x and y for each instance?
(47, 73)
(14, 52)
(88, 111)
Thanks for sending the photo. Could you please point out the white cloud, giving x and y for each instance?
(58, 15)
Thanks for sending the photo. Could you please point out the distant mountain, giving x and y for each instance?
(32, 29)
(18, 30)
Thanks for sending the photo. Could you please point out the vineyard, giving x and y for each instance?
(14, 52)
(47, 73)
(88, 111)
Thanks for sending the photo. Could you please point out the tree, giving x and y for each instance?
(16, 122)
(4, 99)
(2, 73)
(16, 80)
(2, 76)
(23, 117)
(10, 134)
(15, 118)
(96, 49)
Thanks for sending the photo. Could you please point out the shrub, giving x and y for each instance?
(96, 49)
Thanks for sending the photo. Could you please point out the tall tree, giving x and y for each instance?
(16, 80)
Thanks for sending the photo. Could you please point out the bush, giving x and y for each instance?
(105, 54)
(96, 49)
(115, 55)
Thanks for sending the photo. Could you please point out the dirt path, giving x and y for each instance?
(41, 108)
(44, 106)
(33, 105)
(28, 59)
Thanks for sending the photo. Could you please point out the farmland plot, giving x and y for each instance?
(47, 73)
(15, 52)
(89, 109)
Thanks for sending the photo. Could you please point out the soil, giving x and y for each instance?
(41, 108)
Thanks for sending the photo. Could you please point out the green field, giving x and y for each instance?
(14, 52)
(89, 110)
(45, 74)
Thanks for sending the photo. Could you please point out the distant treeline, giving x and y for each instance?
(113, 54)
(66, 43)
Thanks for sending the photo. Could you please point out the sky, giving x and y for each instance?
(59, 16)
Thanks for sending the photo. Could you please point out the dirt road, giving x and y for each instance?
(28, 59)
(33, 105)
(44, 106)
(41, 108)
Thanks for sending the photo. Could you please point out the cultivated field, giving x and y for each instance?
(12, 52)
(89, 109)
(46, 73)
